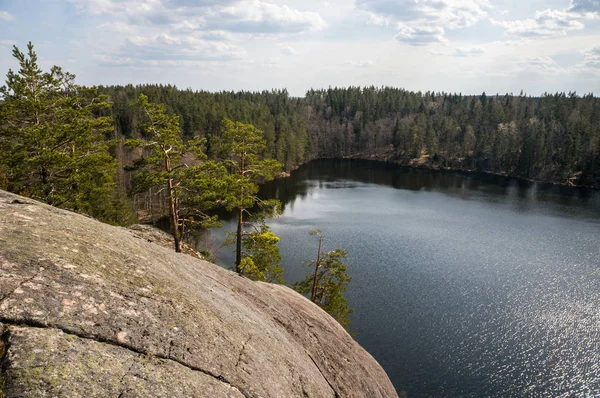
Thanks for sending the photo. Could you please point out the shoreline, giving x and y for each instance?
(413, 164)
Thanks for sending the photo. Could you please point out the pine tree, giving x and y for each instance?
(240, 148)
(53, 141)
(327, 284)
(261, 260)
(191, 188)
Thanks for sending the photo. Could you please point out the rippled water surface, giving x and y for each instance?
(463, 285)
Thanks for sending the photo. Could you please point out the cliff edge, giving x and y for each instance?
(87, 309)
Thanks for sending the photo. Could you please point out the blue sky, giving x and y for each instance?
(467, 46)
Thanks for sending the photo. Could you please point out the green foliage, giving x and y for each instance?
(194, 185)
(261, 259)
(240, 148)
(455, 131)
(282, 119)
(328, 283)
(550, 138)
(54, 141)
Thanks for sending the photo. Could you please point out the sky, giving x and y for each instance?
(466, 46)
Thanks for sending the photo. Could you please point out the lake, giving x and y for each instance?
(463, 284)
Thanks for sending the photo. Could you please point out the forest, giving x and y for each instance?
(552, 138)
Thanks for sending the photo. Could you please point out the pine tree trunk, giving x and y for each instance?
(173, 217)
(238, 242)
(317, 264)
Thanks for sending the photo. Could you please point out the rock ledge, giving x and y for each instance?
(87, 309)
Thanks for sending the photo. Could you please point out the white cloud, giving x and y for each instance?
(117, 26)
(360, 64)
(247, 16)
(6, 16)
(255, 16)
(546, 23)
(467, 52)
(216, 35)
(539, 63)
(585, 6)
(272, 62)
(545, 65)
(287, 50)
(7, 43)
(164, 47)
(592, 58)
(461, 52)
(422, 22)
(420, 36)
(450, 14)
(193, 30)
(551, 23)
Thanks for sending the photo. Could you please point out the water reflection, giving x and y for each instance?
(346, 173)
(463, 284)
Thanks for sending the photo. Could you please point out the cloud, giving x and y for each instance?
(546, 64)
(167, 31)
(255, 16)
(360, 64)
(216, 35)
(117, 26)
(461, 52)
(423, 22)
(451, 14)
(585, 6)
(546, 23)
(6, 16)
(467, 52)
(272, 62)
(551, 23)
(242, 16)
(163, 47)
(7, 43)
(287, 50)
(592, 58)
(420, 36)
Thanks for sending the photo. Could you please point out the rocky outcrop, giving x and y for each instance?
(87, 309)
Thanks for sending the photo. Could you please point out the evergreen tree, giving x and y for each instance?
(462, 132)
(261, 260)
(240, 148)
(191, 188)
(327, 284)
(54, 141)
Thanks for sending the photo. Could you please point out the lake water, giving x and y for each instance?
(463, 285)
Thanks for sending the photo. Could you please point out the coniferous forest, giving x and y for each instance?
(553, 138)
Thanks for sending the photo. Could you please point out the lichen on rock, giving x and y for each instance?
(94, 310)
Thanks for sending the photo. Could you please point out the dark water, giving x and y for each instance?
(463, 285)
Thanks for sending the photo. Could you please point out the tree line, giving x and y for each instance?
(552, 138)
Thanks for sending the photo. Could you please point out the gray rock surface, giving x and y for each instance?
(87, 309)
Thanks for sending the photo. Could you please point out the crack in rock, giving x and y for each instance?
(320, 371)
(8, 295)
(287, 328)
(127, 373)
(4, 347)
(36, 324)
